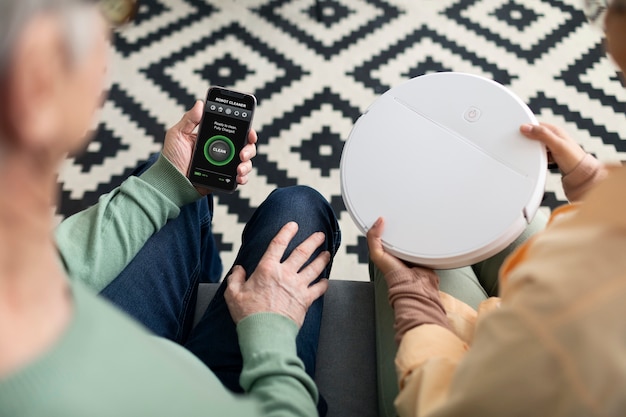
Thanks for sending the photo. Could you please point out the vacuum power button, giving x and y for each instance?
(472, 114)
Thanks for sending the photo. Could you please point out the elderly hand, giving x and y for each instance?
(564, 151)
(181, 139)
(279, 287)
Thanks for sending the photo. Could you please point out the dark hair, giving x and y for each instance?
(618, 6)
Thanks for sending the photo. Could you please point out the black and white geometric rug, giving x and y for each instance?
(315, 66)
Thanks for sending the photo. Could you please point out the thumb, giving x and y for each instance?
(318, 289)
(374, 240)
(191, 119)
(374, 234)
(236, 279)
(541, 133)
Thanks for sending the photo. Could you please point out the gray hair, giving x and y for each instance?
(15, 14)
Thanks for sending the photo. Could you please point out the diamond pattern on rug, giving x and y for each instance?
(529, 29)
(421, 52)
(315, 66)
(328, 27)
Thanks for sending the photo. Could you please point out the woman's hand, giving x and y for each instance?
(384, 261)
(563, 150)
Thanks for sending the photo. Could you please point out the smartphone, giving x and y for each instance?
(223, 132)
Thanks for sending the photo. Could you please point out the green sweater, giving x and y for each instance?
(105, 364)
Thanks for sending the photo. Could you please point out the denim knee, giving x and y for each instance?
(305, 206)
(298, 198)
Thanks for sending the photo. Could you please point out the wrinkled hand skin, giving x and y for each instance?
(180, 140)
(277, 287)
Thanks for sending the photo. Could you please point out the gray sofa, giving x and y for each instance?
(346, 365)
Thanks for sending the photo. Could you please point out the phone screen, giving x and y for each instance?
(222, 134)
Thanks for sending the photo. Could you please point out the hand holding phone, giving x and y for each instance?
(223, 132)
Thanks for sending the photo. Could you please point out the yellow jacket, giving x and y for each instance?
(553, 345)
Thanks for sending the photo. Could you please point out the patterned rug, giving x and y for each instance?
(315, 66)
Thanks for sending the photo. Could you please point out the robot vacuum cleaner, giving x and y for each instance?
(440, 157)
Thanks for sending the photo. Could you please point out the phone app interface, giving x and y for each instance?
(221, 137)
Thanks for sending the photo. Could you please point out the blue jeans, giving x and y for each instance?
(159, 285)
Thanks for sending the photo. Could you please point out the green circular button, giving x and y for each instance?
(219, 150)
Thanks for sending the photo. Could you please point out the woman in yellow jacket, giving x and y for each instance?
(554, 342)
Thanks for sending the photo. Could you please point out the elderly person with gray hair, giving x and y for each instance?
(65, 351)
(552, 343)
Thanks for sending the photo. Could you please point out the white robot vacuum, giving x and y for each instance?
(440, 157)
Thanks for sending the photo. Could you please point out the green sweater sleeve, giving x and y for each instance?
(97, 243)
(272, 371)
(105, 365)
